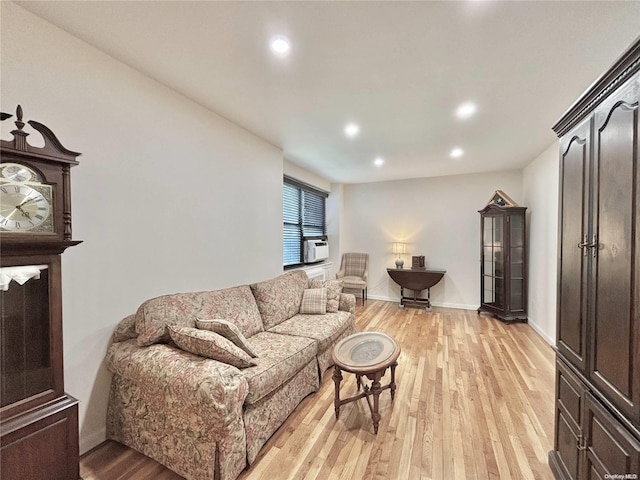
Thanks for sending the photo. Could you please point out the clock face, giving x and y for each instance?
(26, 208)
(14, 172)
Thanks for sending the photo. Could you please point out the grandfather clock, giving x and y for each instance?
(38, 420)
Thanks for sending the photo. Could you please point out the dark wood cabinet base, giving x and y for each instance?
(41, 443)
(554, 465)
(504, 318)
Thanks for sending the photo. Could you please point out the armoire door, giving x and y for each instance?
(568, 441)
(610, 451)
(574, 236)
(614, 365)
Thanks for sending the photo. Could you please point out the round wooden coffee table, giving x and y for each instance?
(367, 354)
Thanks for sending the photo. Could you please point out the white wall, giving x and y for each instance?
(335, 221)
(540, 181)
(305, 176)
(438, 217)
(168, 196)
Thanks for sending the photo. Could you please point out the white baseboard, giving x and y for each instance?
(539, 331)
(87, 442)
(435, 304)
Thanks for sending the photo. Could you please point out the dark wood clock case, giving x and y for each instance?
(38, 420)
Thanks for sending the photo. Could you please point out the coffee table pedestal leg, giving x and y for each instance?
(375, 390)
(392, 385)
(337, 378)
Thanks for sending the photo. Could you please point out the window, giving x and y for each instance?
(303, 215)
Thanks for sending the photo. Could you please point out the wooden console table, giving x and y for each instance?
(416, 279)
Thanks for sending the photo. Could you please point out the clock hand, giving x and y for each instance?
(28, 200)
(24, 214)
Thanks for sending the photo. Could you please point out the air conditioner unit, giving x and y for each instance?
(315, 250)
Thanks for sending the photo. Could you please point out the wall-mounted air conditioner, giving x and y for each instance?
(315, 250)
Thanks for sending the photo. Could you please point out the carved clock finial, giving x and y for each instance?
(19, 123)
(19, 135)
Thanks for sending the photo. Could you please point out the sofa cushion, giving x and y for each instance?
(354, 283)
(334, 289)
(324, 329)
(314, 300)
(228, 330)
(210, 345)
(280, 357)
(234, 304)
(279, 299)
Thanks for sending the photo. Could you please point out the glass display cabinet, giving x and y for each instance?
(503, 255)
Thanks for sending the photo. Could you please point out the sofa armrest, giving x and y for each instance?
(214, 389)
(340, 274)
(125, 330)
(347, 303)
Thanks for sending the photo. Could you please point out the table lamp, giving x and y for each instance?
(399, 248)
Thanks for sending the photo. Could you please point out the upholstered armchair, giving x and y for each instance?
(354, 271)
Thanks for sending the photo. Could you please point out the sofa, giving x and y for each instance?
(202, 380)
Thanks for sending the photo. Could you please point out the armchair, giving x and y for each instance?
(354, 272)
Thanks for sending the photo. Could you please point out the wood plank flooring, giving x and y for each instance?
(474, 401)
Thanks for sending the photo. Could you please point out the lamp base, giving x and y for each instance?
(399, 263)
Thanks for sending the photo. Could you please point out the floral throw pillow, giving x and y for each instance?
(228, 330)
(314, 300)
(210, 345)
(334, 289)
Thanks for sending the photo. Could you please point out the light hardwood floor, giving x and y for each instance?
(474, 401)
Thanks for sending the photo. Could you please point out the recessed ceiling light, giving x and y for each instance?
(280, 46)
(466, 110)
(456, 152)
(351, 130)
(378, 162)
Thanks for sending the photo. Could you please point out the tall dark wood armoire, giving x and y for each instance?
(503, 259)
(597, 408)
(38, 420)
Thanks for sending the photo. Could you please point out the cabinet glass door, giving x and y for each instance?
(25, 348)
(516, 262)
(493, 258)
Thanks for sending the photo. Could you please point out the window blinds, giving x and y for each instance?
(304, 216)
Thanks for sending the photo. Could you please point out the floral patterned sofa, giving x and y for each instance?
(207, 418)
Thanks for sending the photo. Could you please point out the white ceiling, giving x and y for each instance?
(398, 69)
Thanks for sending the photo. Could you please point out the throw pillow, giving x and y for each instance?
(314, 300)
(210, 345)
(227, 330)
(334, 289)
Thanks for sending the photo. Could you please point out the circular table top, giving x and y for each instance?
(365, 352)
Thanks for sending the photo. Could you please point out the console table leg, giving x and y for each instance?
(337, 378)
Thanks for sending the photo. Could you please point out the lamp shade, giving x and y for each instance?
(399, 247)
